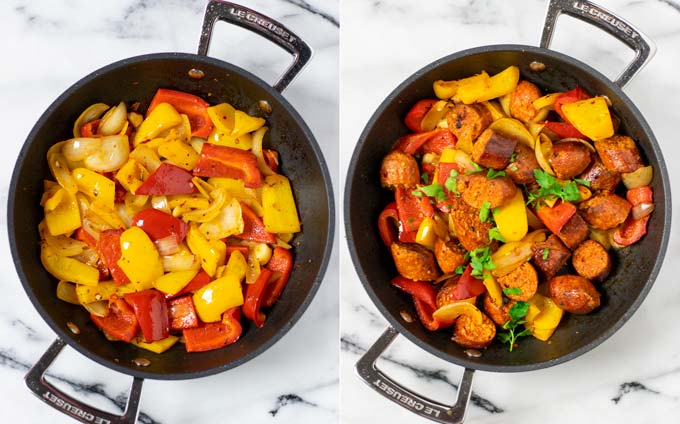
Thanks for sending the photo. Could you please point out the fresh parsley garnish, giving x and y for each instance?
(546, 253)
(510, 291)
(550, 187)
(425, 177)
(451, 182)
(493, 173)
(517, 312)
(433, 190)
(582, 182)
(480, 261)
(417, 193)
(484, 211)
(514, 168)
(477, 169)
(513, 157)
(495, 234)
(460, 269)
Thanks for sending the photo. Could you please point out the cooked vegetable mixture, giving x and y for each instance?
(506, 204)
(167, 227)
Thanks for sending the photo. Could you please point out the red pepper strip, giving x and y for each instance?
(214, 335)
(412, 209)
(554, 218)
(421, 290)
(223, 161)
(231, 248)
(151, 312)
(467, 286)
(158, 224)
(168, 179)
(570, 96)
(253, 227)
(182, 313)
(425, 312)
(388, 223)
(440, 140)
(194, 107)
(109, 250)
(201, 279)
(120, 190)
(445, 172)
(638, 195)
(281, 265)
(564, 130)
(631, 231)
(415, 116)
(88, 239)
(413, 143)
(254, 296)
(120, 323)
(89, 129)
(271, 158)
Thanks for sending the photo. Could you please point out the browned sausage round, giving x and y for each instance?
(619, 153)
(521, 170)
(467, 122)
(413, 261)
(574, 231)
(521, 101)
(569, 158)
(550, 255)
(449, 255)
(600, 177)
(493, 149)
(523, 277)
(399, 169)
(574, 294)
(591, 261)
(605, 210)
(469, 334)
(471, 232)
(479, 189)
(498, 314)
(446, 295)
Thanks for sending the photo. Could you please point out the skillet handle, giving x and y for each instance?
(420, 405)
(600, 17)
(35, 380)
(268, 28)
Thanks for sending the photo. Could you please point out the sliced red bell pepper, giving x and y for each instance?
(444, 173)
(120, 323)
(109, 250)
(223, 161)
(231, 248)
(436, 140)
(467, 286)
(638, 195)
(281, 265)
(87, 238)
(201, 279)
(194, 107)
(440, 140)
(151, 311)
(254, 296)
(412, 210)
(425, 312)
(214, 335)
(159, 225)
(168, 179)
(253, 227)
(564, 130)
(554, 218)
(182, 313)
(89, 129)
(415, 116)
(631, 231)
(570, 96)
(271, 158)
(388, 224)
(421, 290)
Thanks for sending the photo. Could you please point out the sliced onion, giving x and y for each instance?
(114, 120)
(515, 129)
(67, 292)
(287, 237)
(262, 253)
(541, 114)
(463, 160)
(61, 172)
(227, 222)
(167, 245)
(579, 140)
(206, 215)
(124, 214)
(147, 157)
(113, 153)
(536, 128)
(533, 220)
(253, 269)
(434, 115)
(510, 256)
(79, 148)
(99, 308)
(283, 244)
(197, 144)
(203, 186)
(504, 100)
(542, 149)
(90, 114)
(638, 178)
(179, 262)
(444, 278)
(536, 236)
(257, 151)
(641, 210)
(135, 119)
(89, 256)
(160, 203)
(601, 236)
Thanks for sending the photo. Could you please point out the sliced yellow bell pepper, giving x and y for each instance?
(173, 282)
(244, 123)
(514, 129)
(68, 269)
(494, 289)
(543, 317)
(146, 155)
(139, 259)
(96, 186)
(211, 252)
(244, 142)
(448, 313)
(494, 109)
(62, 214)
(179, 153)
(222, 117)
(489, 88)
(102, 291)
(192, 201)
(448, 89)
(109, 216)
(132, 175)
(591, 117)
(448, 155)
(545, 101)
(426, 235)
(280, 213)
(224, 293)
(511, 218)
(159, 346)
(161, 118)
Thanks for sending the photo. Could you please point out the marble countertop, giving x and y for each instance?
(46, 47)
(634, 377)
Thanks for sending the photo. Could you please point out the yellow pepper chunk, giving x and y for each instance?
(222, 117)
(62, 215)
(545, 101)
(132, 175)
(591, 117)
(244, 142)
(139, 259)
(161, 118)
(489, 88)
(212, 252)
(102, 291)
(68, 269)
(159, 346)
(179, 153)
(226, 292)
(543, 317)
(244, 124)
(448, 89)
(494, 289)
(96, 186)
(449, 312)
(511, 218)
(173, 282)
(426, 235)
(280, 213)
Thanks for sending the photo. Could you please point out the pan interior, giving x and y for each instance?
(137, 79)
(634, 268)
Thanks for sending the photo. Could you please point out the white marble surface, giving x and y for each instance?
(47, 46)
(634, 377)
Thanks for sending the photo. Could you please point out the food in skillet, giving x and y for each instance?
(168, 225)
(506, 204)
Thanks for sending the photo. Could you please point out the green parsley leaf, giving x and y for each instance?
(451, 182)
(480, 260)
(417, 193)
(512, 291)
(517, 312)
(493, 173)
(550, 187)
(513, 157)
(460, 269)
(495, 234)
(425, 177)
(484, 211)
(546, 253)
(477, 169)
(582, 182)
(514, 168)
(433, 190)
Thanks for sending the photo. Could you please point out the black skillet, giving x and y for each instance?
(634, 270)
(137, 79)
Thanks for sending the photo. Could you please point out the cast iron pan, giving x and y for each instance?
(634, 269)
(137, 79)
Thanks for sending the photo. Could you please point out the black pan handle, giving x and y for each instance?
(35, 380)
(268, 28)
(432, 410)
(600, 17)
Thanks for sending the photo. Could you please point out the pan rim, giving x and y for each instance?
(328, 246)
(403, 330)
